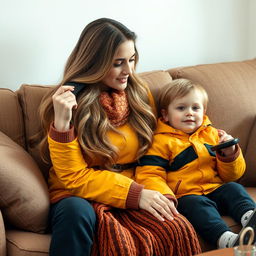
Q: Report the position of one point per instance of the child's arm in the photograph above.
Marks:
(151, 171)
(153, 177)
(223, 138)
(230, 161)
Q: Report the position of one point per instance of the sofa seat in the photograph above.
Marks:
(23, 243)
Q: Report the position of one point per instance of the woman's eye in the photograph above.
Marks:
(132, 60)
(118, 64)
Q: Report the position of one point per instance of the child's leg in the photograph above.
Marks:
(204, 216)
(246, 217)
(237, 203)
(233, 200)
(227, 239)
(251, 222)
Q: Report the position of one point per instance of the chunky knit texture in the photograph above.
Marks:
(137, 232)
(116, 105)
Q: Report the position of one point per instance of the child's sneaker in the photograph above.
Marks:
(250, 223)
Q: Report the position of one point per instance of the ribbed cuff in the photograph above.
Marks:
(172, 198)
(133, 196)
(231, 158)
(63, 137)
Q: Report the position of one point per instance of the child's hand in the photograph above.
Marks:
(224, 137)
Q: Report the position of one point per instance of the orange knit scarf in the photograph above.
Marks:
(116, 105)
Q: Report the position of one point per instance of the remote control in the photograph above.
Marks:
(225, 144)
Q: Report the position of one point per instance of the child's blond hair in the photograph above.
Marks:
(179, 88)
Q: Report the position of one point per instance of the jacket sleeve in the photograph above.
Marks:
(151, 171)
(154, 178)
(101, 186)
(231, 168)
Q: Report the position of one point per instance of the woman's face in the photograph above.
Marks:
(122, 66)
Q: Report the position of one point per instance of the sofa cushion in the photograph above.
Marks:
(30, 97)
(21, 243)
(2, 236)
(11, 119)
(250, 157)
(155, 80)
(24, 197)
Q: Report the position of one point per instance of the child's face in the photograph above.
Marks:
(186, 113)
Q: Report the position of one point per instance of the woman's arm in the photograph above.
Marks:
(101, 186)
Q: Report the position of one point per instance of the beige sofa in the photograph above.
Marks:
(24, 199)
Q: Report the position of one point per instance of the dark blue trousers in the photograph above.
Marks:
(204, 211)
(72, 223)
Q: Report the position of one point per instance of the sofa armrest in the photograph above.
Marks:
(2, 236)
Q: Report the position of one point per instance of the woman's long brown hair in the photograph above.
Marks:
(88, 63)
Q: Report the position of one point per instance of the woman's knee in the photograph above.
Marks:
(73, 211)
(73, 226)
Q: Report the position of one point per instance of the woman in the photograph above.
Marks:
(95, 131)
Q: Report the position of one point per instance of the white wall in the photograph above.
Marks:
(252, 29)
(37, 36)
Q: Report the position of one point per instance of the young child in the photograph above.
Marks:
(181, 165)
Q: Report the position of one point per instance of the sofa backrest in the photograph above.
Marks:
(232, 90)
(11, 118)
(30, 97)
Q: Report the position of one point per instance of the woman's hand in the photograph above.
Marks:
(63, 103)
(224, 137)
(157, 204)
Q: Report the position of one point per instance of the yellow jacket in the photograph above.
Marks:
(180, 164)
(72, 175)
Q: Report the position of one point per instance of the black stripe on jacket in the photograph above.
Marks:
(154, 161)
(183, 158)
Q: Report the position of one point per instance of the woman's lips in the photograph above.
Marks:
(122, 80)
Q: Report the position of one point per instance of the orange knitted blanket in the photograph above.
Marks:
(138, 233)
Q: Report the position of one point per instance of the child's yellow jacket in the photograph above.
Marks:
(181, 164)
